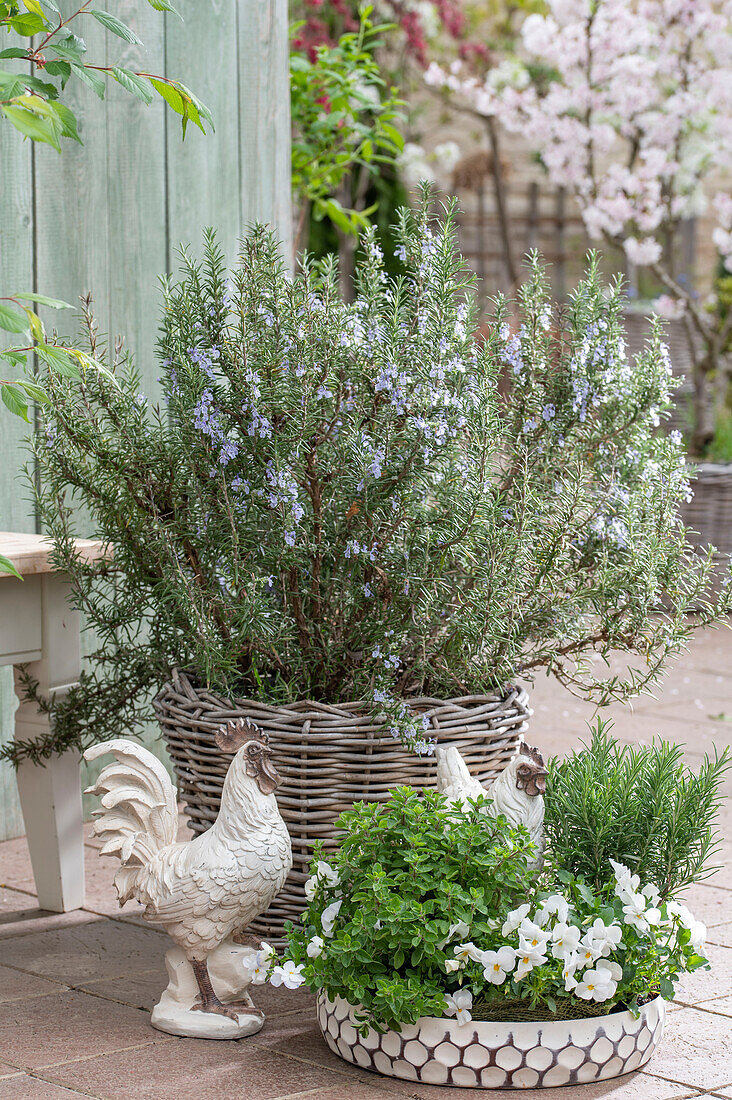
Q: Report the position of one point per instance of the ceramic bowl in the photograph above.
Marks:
(490, 1055)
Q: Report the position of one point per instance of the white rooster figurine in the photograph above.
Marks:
(204, 890)
(517, 792)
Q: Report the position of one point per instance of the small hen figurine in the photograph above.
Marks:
(517, 792)
(204, 890)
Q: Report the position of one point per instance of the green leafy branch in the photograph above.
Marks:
(20, 319)
(31, 102)
(343, 118)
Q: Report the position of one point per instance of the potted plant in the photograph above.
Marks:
(438, 957)
(335, 525)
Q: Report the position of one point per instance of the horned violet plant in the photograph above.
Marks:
(335, 500)
(428, 910)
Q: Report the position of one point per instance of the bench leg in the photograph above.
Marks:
(50, 794)
(50, 798)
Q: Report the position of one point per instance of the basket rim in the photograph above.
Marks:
(349, 710)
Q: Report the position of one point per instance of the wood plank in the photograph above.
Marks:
(16, 273)
(204, 169)
(72, 211)
(264, 113)
(135, 192)
(30, 553)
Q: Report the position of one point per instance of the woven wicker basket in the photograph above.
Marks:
(329, 757)
(709, 512)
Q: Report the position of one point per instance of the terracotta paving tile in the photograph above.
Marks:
(16, 983)
(726, 1092)
(299, 1037)
(88, 952)
(141, 989)
(15, 865)
(100, 895)
(43, 1031)
(635, 1086)
(722, 1006)
(711, 904)
(278, 1000)
(196, 1069)
(703, 985)
(26, 922)
(15, 901)
(696, 1050)
(352, 1090)
(32, 1088)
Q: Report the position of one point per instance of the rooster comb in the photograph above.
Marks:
(231, 737)
(533, 754)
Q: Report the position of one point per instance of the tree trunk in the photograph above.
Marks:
(704, 404)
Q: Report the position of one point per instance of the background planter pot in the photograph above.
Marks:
(490, 1055)
(709, 512)
(329, 757)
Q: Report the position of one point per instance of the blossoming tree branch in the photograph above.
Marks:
(629, 106)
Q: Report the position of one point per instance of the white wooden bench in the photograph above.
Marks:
(39, 629)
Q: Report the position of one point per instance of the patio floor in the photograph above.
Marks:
(76, 989)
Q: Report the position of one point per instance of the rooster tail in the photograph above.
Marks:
(139, 813)
(452, 771)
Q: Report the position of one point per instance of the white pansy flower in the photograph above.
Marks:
(696, 927)
(626, 882)
(637, 914)
(258, 963)
(533, 934)
(650, 891)
(528, 956)
(256, 969)
(465, 951)
(604, 937)
(497, 964)
(328, 917)
(596, 985)
(554, 906)
(587, 953)
(451, 965)
(315, 947)
(514, 918)
(289, 975)
(616, 970)
(459, 1004)
(325, 875)
(568, 973)
(460, 928)
(311, 885)
(565, 940)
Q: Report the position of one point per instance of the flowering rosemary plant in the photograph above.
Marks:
(335, 501)
(416, 915)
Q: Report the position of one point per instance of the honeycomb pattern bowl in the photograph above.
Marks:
(489, 1055)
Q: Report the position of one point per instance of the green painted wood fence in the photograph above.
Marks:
(108, 217)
